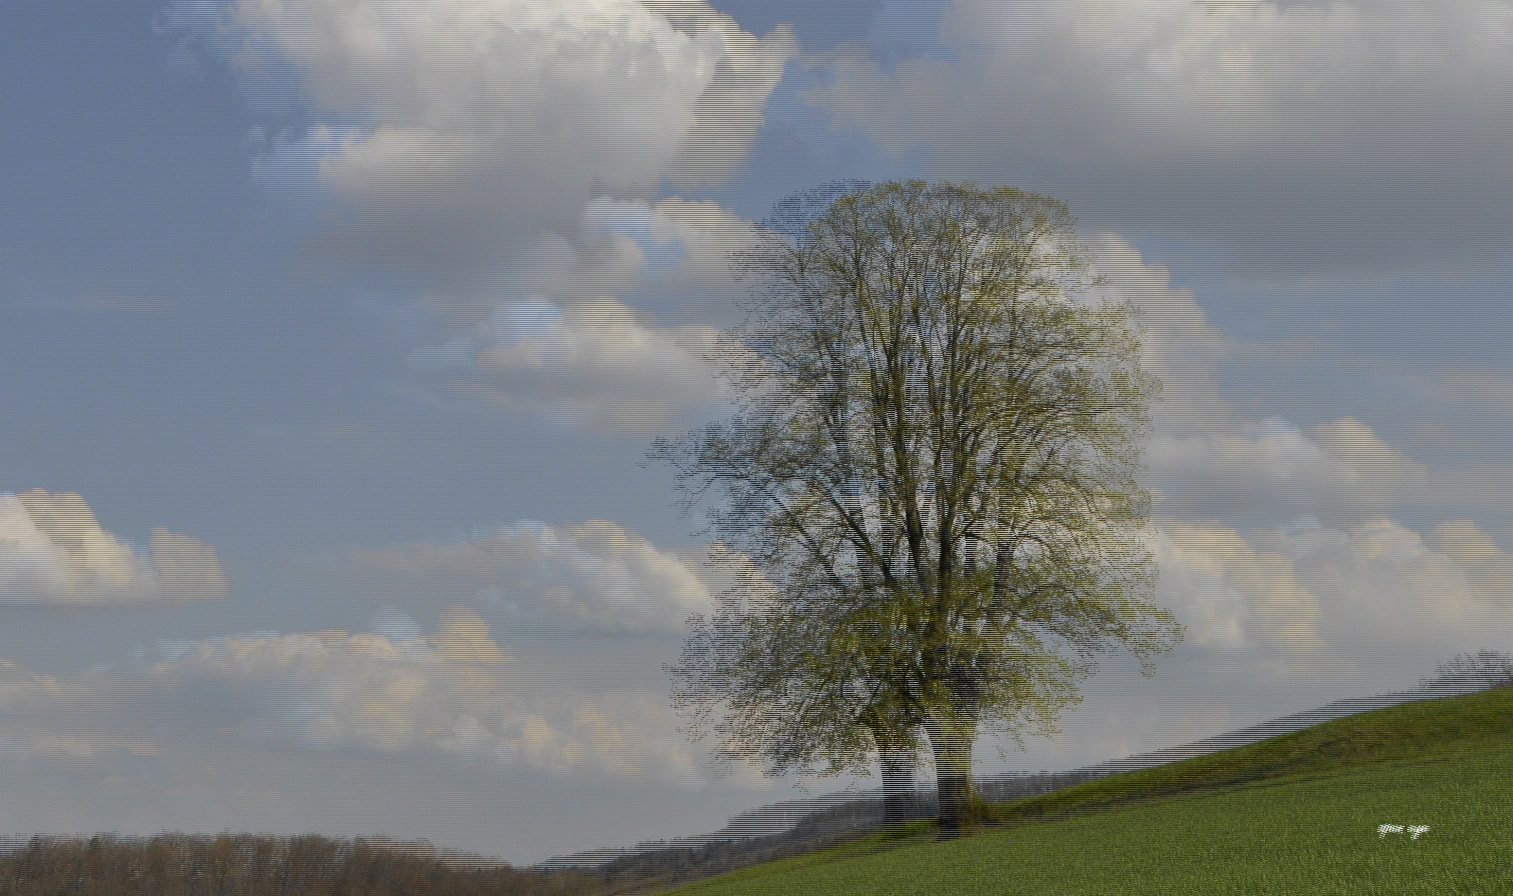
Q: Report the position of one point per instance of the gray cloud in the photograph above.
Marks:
(448, 695)
(1319, 594)
(596, 577)
(1182, 346)
(672, 256)
(1273, 468)
(1207, 460)
(562, 345)
(592, 363)
(1294, 139)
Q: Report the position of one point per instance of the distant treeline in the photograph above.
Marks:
(861, 817)
(821, 828)
(249, 865)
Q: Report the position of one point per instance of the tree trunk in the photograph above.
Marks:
(899, 796)
(952, 745)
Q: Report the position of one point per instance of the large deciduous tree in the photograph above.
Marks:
(929, 484)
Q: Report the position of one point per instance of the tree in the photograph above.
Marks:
(1485, 667)
(929, 481)
(792, 687)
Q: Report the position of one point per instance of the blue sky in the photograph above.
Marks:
(335, 332)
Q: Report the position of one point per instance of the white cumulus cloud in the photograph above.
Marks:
(672, 253)
(1273, 467)
(457, 127)
(53, 552)
(1379, 583)
(1372, 597)
(1182, 346)
(594, 577)
(1230, 596)
(451, 694)
(588, 363)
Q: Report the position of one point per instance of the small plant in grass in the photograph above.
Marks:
(967, 814)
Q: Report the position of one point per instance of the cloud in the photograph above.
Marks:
(396, 691)
(451, 130)
(454, 694)
(1182, 347)
(590, 363)
(1310, 596)
(1379, 583)
(1208, 462)
(1231, 597)
(673, 255)
(1463, 540)
(591, 578)
(729, 114)
(51, 717)
(1476, 391)
(1292, 136)
(561, 345)
(54, 553)
(1271, 467)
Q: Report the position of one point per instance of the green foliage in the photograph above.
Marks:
(930, 482)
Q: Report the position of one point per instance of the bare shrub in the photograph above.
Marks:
(1485, 667)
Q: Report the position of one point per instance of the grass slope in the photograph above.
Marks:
(1295, 814)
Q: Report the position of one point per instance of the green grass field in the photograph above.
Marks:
(1295, 815)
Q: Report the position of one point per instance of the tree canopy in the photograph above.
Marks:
(929, 480)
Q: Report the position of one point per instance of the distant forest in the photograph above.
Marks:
(177, 864)
(248, 865)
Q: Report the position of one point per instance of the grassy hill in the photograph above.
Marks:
(1294, 814)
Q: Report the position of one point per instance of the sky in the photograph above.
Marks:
(335, 333)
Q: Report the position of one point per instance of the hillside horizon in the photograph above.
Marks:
(775, 819)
